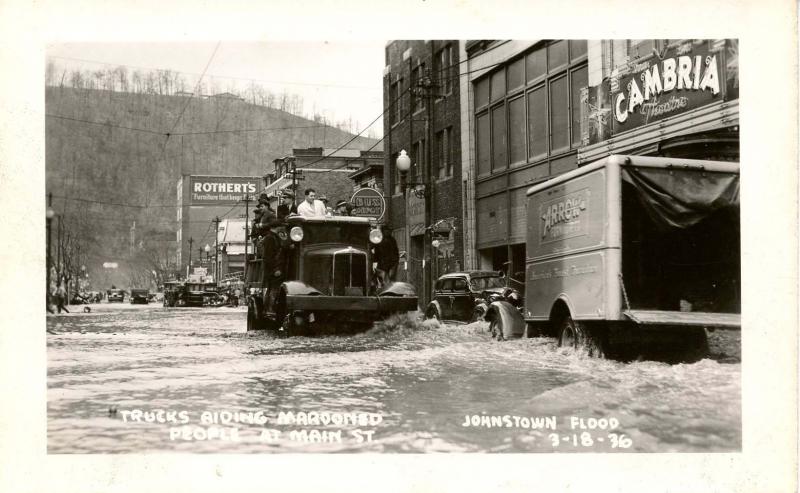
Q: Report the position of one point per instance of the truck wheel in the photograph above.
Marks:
(578, 336)
(496, 328)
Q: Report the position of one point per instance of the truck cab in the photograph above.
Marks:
(329, 283)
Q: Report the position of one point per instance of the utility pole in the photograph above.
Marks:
(246, 231)
(189, 267)
(425, 88)
(216, 249)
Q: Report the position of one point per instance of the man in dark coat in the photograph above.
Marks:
(387, 255)
(273, 263)
(287, 206)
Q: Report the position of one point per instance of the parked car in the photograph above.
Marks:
(457, 295)
(139, 296)
(115, 295)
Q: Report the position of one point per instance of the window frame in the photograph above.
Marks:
(566, 70)
(445, 61)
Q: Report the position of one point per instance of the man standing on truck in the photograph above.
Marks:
(287, 206)
(311, 207)
(273, 263)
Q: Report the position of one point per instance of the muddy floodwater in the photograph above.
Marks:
(134, 379)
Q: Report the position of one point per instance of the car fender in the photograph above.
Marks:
(434, 304)
(398, 289)
(480, 309)
(511, 319)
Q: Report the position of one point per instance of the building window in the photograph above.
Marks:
(446, 72)
(499, 158)
(394, 102)
(418, 161)
(416, 78)
(444, 153)
(482, 143)
(559, 114)
(516, 130)
(536, 106)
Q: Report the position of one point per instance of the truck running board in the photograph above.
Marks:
(731, 321)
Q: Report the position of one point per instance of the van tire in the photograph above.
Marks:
(579, 336)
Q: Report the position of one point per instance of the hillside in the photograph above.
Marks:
(113, 158)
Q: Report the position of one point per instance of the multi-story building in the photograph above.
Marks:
(521, 104)
(328, 171)
(533, 110)
(422, 117)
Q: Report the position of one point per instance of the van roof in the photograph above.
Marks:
(641, 161)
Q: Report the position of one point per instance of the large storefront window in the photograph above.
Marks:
(529, 109)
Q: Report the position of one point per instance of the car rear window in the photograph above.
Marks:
(459, 284)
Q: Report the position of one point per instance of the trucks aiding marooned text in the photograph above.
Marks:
(632, 256)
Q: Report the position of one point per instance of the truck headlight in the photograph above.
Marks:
(296, 233)
(376, 236)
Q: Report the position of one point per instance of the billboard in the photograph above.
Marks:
(221, 190)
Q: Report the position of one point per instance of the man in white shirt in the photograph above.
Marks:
(311, 207)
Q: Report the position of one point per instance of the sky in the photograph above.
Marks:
(340, 79)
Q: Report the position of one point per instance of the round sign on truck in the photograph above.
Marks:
(368, 202)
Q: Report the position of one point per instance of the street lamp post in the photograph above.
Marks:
(208, 255)
(421, 190)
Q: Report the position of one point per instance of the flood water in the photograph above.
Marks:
(133, 379)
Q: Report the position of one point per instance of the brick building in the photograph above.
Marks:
(422, 116)
(328, 171)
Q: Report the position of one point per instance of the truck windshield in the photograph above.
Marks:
(481, 283)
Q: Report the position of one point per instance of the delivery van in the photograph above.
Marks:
(631, 254)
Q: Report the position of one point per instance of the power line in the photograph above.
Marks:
(199, 81)
(362, 131)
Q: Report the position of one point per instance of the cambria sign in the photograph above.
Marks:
(687, 79)
(683, 77)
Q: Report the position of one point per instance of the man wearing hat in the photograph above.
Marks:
(262, 215)
(287, 206)
(343, 208)
(273, 262)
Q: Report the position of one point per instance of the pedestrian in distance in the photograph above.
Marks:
(311, 207)
(61, 298)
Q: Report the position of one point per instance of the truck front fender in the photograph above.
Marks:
(507, 317)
